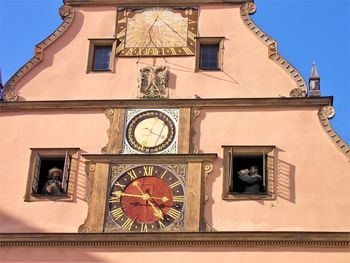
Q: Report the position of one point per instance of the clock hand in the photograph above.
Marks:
(145, 197)
(157, 211)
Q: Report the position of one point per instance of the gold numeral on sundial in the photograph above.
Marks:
(187, 51)
(173, 185)
(117, 213)
(173, 213)
(191, 35)
(128, 224)
(147, 170)
(132, 174)
(144, 227)
(178, 198)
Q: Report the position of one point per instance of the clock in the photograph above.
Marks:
(146, 198)
(156, 31)
(151, 131)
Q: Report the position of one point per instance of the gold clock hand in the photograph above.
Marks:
(144, 196)
(157, 211)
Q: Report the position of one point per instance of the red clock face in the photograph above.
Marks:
(146, 198)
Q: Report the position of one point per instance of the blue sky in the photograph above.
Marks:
(306, 31)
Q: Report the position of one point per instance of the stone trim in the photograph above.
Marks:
(248, 9)
(166, 103)
(67, 14)
(151, 2)
(325, 113)
(180, 239)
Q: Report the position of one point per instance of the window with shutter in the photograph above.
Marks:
(248, 172)
(65, 176)
(36, 173)
(51, 171)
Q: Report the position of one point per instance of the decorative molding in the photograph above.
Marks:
(152, 2)
(115, 131)
(67, 13)
(195, 112)
(328, 112)
(331, 240)
(153, 82)
(166, 103)
(249, 8)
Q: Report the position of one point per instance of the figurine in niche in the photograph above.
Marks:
(53, 184)
(251, 178)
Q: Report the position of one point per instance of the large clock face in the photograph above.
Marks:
(146, 198)
(150, 132)
(156, 31)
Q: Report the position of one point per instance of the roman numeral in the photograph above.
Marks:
(117, 213)
(173, 51)
(114, 199)
(132, 174)
(144, 228)
(161, 225)
(187, 51)
(128, 224)
(161, 177)
(123, 20)
(147, 170)
(120, 185)
(120, 46)
(178, 198)
(191, 35)
(130, 51)
(173, 185)
(121, 33)
(173, 213)
(190, 21)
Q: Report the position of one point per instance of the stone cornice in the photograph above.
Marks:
(180, 239)
(67, 14)
(152, 2)
(166, 103)
(325, 113)
(248, 9)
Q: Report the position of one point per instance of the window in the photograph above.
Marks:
(101, 55)
(209, 53)
(52, 174)
(248, 172)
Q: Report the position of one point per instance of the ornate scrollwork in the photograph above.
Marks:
(65, 10)
(153, 82)
(327, 111)
(9, 92)
(298, 93)
(208, 168)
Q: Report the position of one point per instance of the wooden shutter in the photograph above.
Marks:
(36, 173)
(264, 171)
(230, 170)
(65, 176)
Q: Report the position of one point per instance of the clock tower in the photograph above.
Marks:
(142, 127)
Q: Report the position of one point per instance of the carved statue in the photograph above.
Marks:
(153, 82)
(252, 178)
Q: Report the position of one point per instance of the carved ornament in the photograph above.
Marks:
(153, 82)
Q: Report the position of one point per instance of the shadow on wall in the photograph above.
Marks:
(285, 179)
(82, 184)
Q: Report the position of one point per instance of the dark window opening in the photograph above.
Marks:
(209, 57)
(102, 55)
(50, 177)
(248, 175)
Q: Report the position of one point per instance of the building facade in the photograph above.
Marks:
(143, 129)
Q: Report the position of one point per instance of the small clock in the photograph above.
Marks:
(150, 131)
(156, 31)
(146, 198)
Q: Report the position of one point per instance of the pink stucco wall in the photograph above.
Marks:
(247, 70)
(312, 179)
(167, 254)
